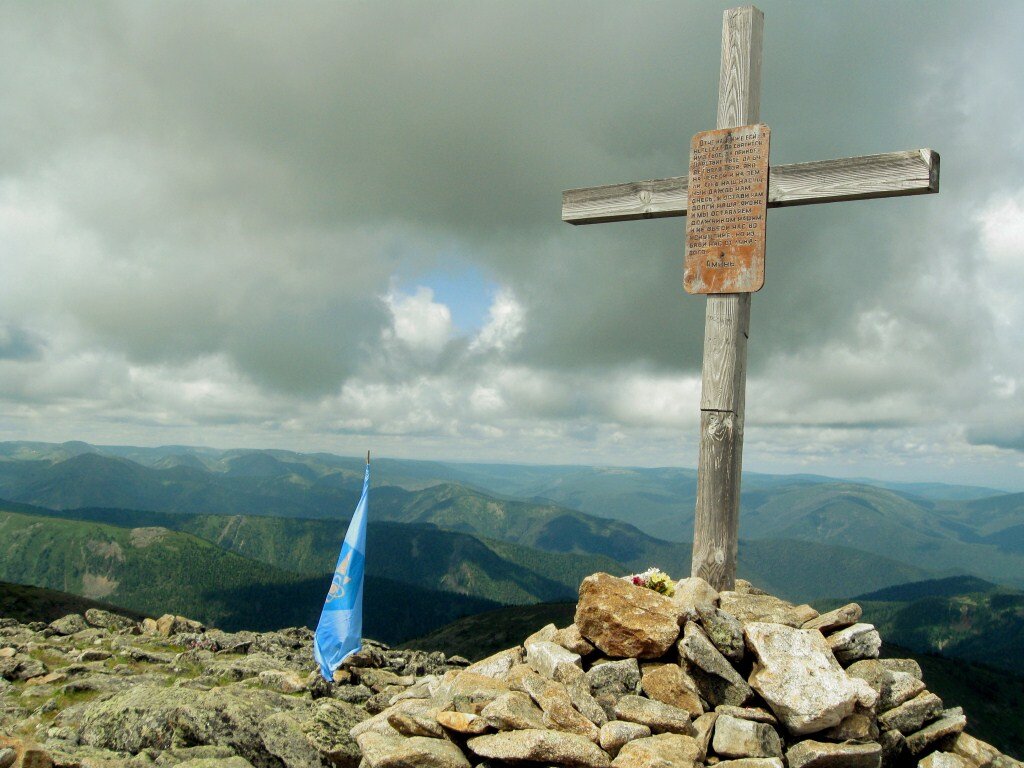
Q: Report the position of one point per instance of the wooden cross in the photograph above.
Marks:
(727, 317)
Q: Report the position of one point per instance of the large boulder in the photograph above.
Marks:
(625, 620)
(800, 679)
(138, 718)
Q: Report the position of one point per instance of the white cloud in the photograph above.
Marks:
(505, 324)
(422, 325)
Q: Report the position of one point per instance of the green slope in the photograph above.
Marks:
(156, 570)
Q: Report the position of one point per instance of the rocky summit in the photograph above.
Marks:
(739, 679)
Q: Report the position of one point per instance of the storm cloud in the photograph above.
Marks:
(224, 223)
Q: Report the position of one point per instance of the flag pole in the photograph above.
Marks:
(367, 457)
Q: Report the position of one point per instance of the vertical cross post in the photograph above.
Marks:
(726, 329)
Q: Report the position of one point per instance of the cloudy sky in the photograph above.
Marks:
(336, 225)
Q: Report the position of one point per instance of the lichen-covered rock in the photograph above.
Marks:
(624, 620)
(800, 679)
(717, 680)
(819, 754)
(668, 684)
(497, 664)
(542, 746)
(911, 715)
(513, 711)
(952, 722)
(573, 640)
(765, 608)
(944, 760)
(382, 751)
(138, 718)
(617, 733)
(694, 591)
(861, 641)
(550, 659)
(893, 687)
(69, 625)
(666, 750)
(840, 618)
(745, 738)
(463, 722)
(660, 718)
(107, 620)
(327, 726)
(724, 630)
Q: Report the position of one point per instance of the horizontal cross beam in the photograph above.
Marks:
(894, 174)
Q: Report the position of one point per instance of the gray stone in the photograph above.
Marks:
(545, 634)
(757, 714)
(579, 692)
(819, 754)
(855, 727)
(215, 762)
(894, 747)
(610, 681)
(724, 630)
(944, 760)
(621, 676)
(745, 738)
(625, 620)
(800, 679)
(694, 591)
(69, 625)
(911, 715)
(542, 746)
(283, 738)
(499, 664)
(107, 620)
(861, 641)
(135, 719)
(893, 687)
(762, 608)
(549, 658)
(382, 751)
(512, 712)
(752, 762)
(617, 733)
(415, 723)
(231, 716)
(573, 640)
(666, 750)
(463, 722)
(703, 728)
(840, 618)
(717, 681)
(660, 718)
(283, 681)
(908, 666)
(975, 751)
(352, 694)
(948, 725)
(669, 684)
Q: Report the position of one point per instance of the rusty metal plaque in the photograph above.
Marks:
(726, 210)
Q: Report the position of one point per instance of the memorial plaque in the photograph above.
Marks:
(726, 210)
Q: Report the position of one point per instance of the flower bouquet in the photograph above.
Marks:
(656, 579)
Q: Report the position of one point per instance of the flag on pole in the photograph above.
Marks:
(339, 633)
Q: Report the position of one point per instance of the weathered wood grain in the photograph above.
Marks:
(726, 328)
(715, 543)
(893, 174)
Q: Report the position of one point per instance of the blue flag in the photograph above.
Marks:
(339, 633)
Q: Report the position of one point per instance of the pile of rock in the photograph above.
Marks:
(104, 691)
(739, 679)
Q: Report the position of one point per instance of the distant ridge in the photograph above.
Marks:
(917, 590)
